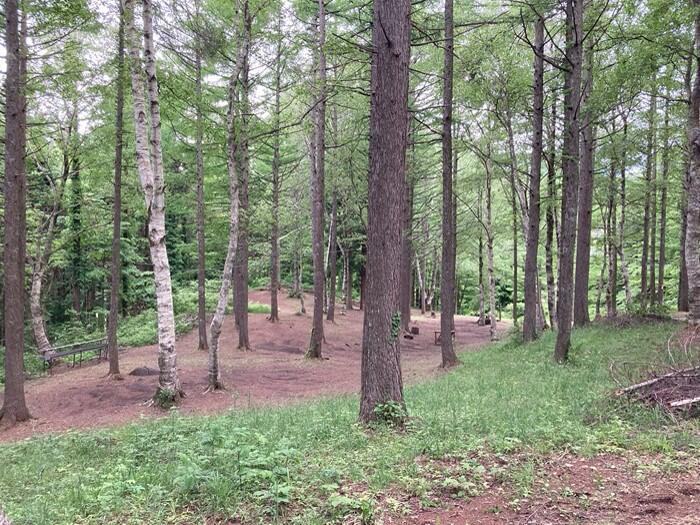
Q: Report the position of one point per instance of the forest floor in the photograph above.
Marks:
(274, 372)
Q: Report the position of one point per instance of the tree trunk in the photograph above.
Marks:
(649, 173)
(149, 160)
(315, 350)
(14, 408)
(550, 215)
(276, 181)
(533, 221)
(240, 275)
(585, 197)
(381, 357)
(447, 283)
(333, 259)
(116, 266)
(665, 167)
(482, 313)
(654, 211)
(406, 256)
(232, 163)
(489, 251)
(611, 233)
(692, 242)
(623, 211)
(348, 278)
(570, 161)
(199, 163)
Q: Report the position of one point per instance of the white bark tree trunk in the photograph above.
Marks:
(149, 160)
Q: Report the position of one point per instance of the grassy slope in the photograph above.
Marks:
(291, 464)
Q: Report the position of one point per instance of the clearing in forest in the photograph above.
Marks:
(274, 373)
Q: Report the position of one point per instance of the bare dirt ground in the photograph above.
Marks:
(275, 372)
(602, 490)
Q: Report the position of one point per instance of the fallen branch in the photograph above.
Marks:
(685, 402)
(649, 382)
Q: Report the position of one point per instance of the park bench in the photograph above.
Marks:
(438, 337)
(98, 346)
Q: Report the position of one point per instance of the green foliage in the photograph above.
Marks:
(390, 413)
(165, 398)
(312, 464)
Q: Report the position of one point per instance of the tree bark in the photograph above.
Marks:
(570, 161)
(585, 197)
(233, 164)
(14, 408)
(645, 294)
(348, 278)
(315, 350)
(333, 259)
(550, 215)
(692, 242)
(116, 266)
(240, 275)
(276, 181)
(489, 249)
(611, 228)
(199, 166)
(447, 283)
(149, 159)
(381, 357)
(623, 215)
(533, 221)
(665, 168)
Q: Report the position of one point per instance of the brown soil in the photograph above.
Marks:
(274, 373)
(603, 490)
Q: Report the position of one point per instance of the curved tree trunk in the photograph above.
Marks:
(381, 356)
(214, 373)
(149, 159)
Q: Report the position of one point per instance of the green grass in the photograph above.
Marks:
(290, 464)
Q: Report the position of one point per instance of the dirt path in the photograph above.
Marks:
(275, 372)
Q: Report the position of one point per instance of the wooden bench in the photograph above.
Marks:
(98, 346)
(438, 336)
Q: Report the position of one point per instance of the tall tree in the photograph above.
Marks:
(116, 266)
(447, 283)
(315, 350)
(199, 168)
(585, 195)
(381, 356)
(14, 408)
(570, 162)
(665, 168)
(240, 272)
(692, 241)
(649, 202)
(149, 160)
(276, 178)
(533, 222)
(233, 164)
